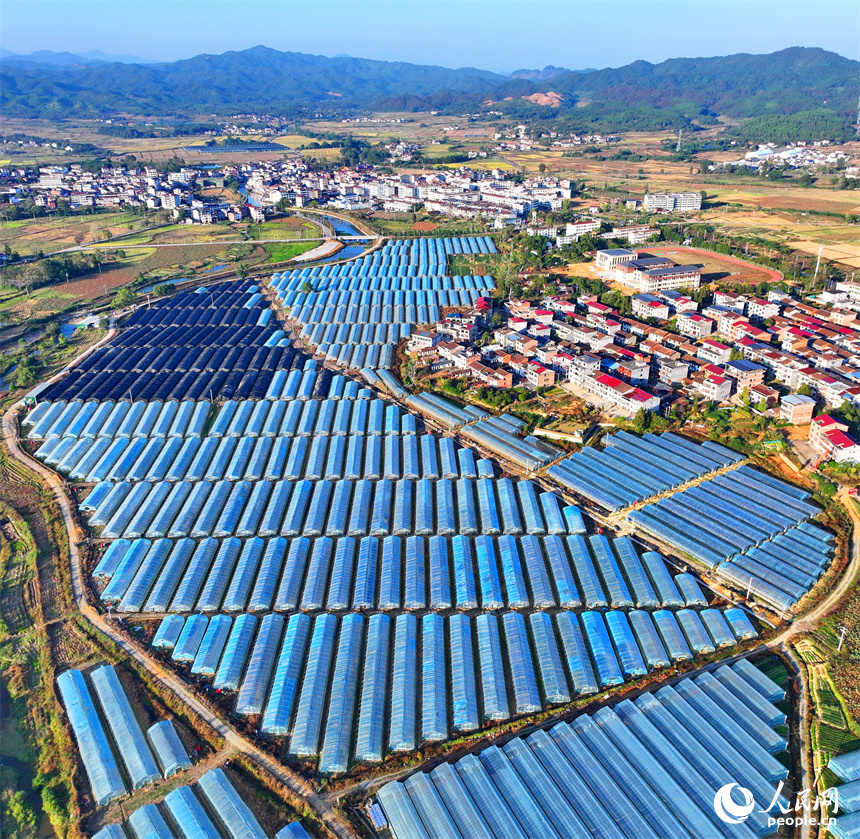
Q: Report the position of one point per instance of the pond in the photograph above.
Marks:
(4, 379)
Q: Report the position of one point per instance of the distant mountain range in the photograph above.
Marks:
(548, 72)
(73, 58)
(676, 93)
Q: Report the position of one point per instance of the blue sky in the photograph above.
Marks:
(499, 35)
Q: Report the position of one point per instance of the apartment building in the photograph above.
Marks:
(694, 325)
(608, 260)
(796, 409)
(829, 437)
(672, 202)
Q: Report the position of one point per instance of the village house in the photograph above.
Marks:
(647, 306)
(796, 409)
(694, 325)
(713, 351)
(828, 436)
(628, 398)
(712, 386)
(745, 373)
(538, 375)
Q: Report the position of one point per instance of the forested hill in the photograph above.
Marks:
(254, 79)
(795, 79)
(675, 93)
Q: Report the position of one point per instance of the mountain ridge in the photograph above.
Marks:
(674, 93)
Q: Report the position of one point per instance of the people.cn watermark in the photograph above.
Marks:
(805, 809)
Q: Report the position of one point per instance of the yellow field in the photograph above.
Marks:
(846, 254)
(791, 198)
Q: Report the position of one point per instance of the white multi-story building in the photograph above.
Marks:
(673, 202)
(608, 260)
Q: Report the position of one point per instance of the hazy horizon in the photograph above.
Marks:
(486, 34)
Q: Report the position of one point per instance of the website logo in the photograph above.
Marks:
(726, 808)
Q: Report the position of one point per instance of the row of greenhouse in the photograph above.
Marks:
(258, 315)
(751, 529)
(177, 351)
(631, 468)
(197, 359)
(783, 569)
(328, 331)
(392, 684)
(391, 259)
(384, 304)
(255, 458)
(308, 311)
(233, 294)
(159, 386)
(211, 809)
(729, 514)
(109, 420)
(200, 317)
(270, 418)
(355, 313)
(358, 356)
(190, 336)
(185, 419)
(116, 753)
(648, 768)
(344, 507)
(388, 573)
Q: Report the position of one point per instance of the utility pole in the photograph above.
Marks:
(858, 117)
(842, 632)
(678, 147)
(817, 263)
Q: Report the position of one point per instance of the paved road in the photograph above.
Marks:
(111, 244)
(231, 737)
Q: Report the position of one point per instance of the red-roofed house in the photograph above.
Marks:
(626, 397)
(694, 325)
(744, 329)
(714, 351)
(595, 308)
(828, 436)
(538, 375)
(712, 386)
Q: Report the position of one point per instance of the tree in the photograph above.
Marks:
(736, 355)
(641, 421)
(242, 270)
(25, 372)
(306, 287)
(21, 812)
(104, 322)
(805, 390)
(124, 297)
(163, 289)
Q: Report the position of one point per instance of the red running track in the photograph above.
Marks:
(772, 276)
